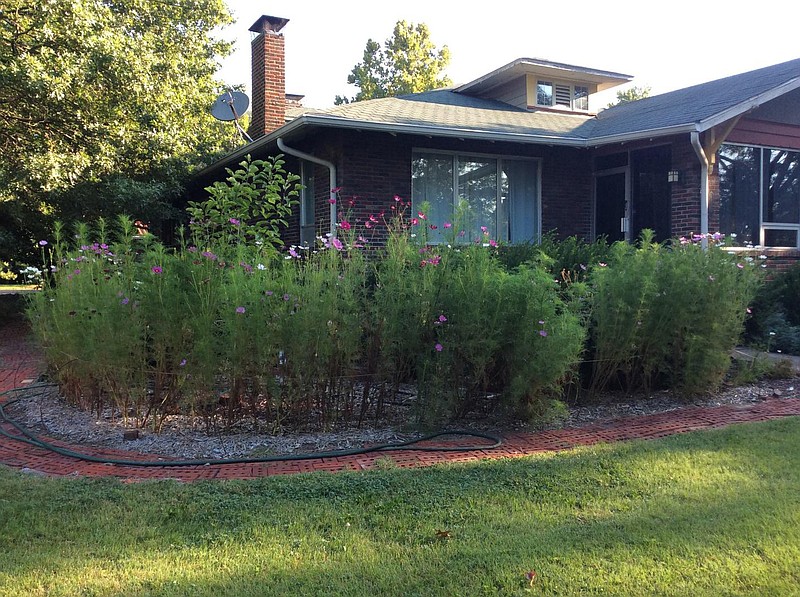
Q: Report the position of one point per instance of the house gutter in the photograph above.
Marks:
(332, 173)
(701, 155)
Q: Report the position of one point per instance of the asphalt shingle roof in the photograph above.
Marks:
(447, 109)
(444, 108)
(693, 104)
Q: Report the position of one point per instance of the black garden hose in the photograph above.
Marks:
(29, 437)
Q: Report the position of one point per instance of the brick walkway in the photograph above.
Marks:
(20, 364)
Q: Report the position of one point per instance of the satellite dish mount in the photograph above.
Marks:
(229, 107)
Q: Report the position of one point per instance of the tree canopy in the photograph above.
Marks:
(630, 95)
(408, 62)
(107, 96)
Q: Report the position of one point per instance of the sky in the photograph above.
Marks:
(664, 45)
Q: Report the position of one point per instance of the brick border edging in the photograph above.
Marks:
(20, 361)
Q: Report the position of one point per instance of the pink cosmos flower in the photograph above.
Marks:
(345, 225)
(337, 244)
(156, 269)
(240, 310)
(492, 243)
(414, 222)
(447, 225)
(421, 215)
(332, 201)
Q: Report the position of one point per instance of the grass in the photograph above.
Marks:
(707, 513)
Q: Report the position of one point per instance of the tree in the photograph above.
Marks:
(102, 96)
(630, 95)
(408, 62)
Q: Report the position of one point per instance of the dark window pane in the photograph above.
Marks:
(432, 183)
(739, 169)
(782, 197)
(581, 98)
(544, 93)
(477, 194)
(780, 238)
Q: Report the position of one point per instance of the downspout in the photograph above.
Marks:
(331, 169)
(701, 155)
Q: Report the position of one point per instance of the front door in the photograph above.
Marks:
(611, 204)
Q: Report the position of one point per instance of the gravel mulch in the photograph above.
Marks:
(44, 412)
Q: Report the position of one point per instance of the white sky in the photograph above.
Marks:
(665, 45)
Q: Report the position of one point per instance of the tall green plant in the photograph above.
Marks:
(668, 315)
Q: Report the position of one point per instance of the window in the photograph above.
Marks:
(544, 93)
(475, 192)
(760, 195)
(580, 97)
(562, 95)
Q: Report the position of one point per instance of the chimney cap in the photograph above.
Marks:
(266, 23)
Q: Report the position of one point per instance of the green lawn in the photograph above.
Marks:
(707, 513)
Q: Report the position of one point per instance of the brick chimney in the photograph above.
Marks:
(269, 76)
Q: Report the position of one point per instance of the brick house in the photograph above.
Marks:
(522, 149)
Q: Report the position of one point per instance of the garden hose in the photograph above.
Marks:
(29, 437)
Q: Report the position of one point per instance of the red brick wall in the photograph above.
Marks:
(567, 192)
(686, 192)
(268, 84)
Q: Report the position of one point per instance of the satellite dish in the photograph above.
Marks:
(229, 107)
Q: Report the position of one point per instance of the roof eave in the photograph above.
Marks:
(747, 106)
(390, 128)
(439, 131)
(643, 134)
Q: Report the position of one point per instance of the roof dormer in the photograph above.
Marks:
(531, 84)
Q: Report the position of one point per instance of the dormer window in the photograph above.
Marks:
(562, 95)
(544, 93)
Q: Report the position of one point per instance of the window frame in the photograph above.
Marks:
(763, 224)
(499, 158)
(553, 83)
